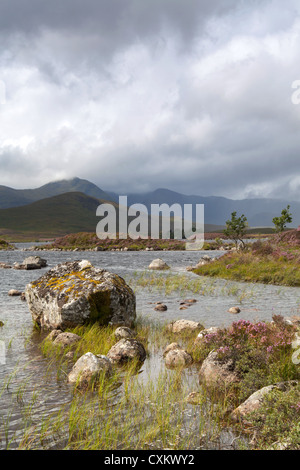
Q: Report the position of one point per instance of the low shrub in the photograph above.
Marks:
(260, 352)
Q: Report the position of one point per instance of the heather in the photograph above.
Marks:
(260, 353)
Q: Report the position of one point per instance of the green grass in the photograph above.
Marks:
(251, 268)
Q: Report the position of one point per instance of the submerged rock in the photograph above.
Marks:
(74, 293)
(88, 368)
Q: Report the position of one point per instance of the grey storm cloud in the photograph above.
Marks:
(193, 96)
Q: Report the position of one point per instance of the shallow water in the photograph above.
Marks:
(22, 363)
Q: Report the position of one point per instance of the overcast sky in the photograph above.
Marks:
(135, 95)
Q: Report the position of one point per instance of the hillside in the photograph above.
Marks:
(51, 217)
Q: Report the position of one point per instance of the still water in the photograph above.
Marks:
(22, 366)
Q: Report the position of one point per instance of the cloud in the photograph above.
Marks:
(192, 96)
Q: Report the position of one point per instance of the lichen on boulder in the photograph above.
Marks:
(75, 293)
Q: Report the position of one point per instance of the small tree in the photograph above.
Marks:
(236, 228)
(280, 222)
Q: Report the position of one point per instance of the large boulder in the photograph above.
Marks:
(75, 293)
(88, 368)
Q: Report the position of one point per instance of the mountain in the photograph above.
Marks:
(217, 210)
(10, 197)
(54, 216)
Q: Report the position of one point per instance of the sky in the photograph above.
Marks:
(134, 95)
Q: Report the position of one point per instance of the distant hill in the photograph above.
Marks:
(54, 216)
(10, 197)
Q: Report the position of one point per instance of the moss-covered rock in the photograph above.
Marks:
(75, 293)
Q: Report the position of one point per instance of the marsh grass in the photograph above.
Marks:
(132, 409)
(182, 284)
(152, 416)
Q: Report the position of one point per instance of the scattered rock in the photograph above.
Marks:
(190, 301)
(126, 350)
(234, 310)
(194, 398)
(178, 358)
(158, 264)
(14, 293)
(255, 401)
(66, 339)
(53, 334)
(206, 331)
(190, 268)
(215, 373)
(160, 307)
(171, 347)
(124, 332)
(74, 293)
(5, 266)
(34, 262)
(183, 325)
(69, 355)
(88, 368)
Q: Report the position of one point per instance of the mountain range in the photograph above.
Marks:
(70, 205)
